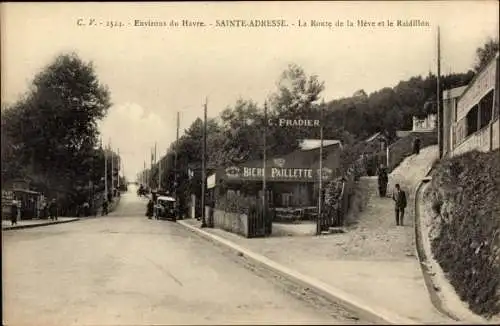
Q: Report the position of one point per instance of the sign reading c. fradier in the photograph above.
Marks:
(281, 122)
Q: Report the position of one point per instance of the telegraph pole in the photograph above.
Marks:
(264, 158)
(159, 174)
(112, 169)
(119, 163)
(154, 162)
(204, 167)
(439, 109)
(175, 163)
(106, 173)
(320, 184)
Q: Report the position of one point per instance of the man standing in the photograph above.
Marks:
(14, 208)
(416, 146)
(383, 179)
(53, 210)
(399, 197)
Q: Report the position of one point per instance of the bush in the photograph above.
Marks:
(464, 192)
(403, 147)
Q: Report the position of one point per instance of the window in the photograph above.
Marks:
(286, 199)
(472, 120)
(486, 108)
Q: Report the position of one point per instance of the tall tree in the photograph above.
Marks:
(55, 125)
(296, 98)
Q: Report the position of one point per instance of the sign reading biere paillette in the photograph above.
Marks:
(275, 173)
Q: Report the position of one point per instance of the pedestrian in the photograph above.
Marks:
(86, 209)
(416, 146)
(150, 209)
(104, 207)
(383, 179)
(53, 209)
(399, 197)
(13, 212)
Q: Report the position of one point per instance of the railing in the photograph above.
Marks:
(484, 140)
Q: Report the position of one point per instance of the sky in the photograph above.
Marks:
(154, 72)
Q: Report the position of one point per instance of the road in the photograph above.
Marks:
(126, 269)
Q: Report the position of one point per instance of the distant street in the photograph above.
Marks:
(126, 269)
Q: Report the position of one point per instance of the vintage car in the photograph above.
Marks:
(165, 208)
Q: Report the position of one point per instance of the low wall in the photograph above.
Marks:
(231, 222)
(483, 140)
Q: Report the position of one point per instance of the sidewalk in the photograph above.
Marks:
(396, 286)
(24, 224)
(374, 263)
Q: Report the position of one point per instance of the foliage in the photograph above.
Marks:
(403, 148)
(485, 53)
(51, 133)
(464, 193)
(236, 135)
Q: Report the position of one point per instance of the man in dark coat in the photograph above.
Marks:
(13, 212)
(150, 208)
(105, 208)
(53, 210)
(399, 197)
(383, 179)
(416, 146)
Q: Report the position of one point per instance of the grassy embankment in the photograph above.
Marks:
(465, 196)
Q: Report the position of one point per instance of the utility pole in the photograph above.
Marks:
(112, 169)
(150, 181)
(119, 161)
(159, 173)
(264, 158)
(154, 162)
(106, 173)
(320, 183)
(204, 167)
(439, 109)
(175, 163)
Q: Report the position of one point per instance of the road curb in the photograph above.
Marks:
(29, 226)
(422, 257)
(431, 285)
(349, 302)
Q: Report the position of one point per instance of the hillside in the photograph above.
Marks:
(465, 237)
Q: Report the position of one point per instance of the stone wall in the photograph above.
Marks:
(231, 222)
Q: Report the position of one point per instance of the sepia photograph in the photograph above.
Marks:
(250, 162)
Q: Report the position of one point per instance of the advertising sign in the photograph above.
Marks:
(275, 174)
(301, 123)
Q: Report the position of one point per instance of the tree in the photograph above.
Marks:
(242, 131)
(54, 127)
(485, 53)
(296, 98)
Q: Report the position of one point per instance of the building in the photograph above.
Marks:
(470, 113)
(291, 180)
(429, 123)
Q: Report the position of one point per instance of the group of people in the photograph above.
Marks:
(47, 210)
(398, 196)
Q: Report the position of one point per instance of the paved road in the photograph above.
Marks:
(126, 269)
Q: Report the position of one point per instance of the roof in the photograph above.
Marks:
(308, 144)
(26, 191)
(373, 137)
(453, 92)
(479, 73)
(166, 198)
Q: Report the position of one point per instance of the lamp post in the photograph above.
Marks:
(204, 167)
